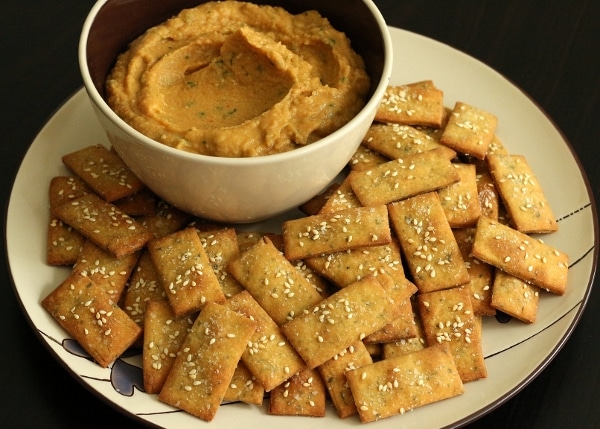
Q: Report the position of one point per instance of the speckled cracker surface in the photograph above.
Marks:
(104, 224)
(397, 385)
(304, 394)
(522, 256)
(91, 318)
(104, 172)
(338, 321)
(460, 200)
(403, 178)
(515, 297)
(469, 130)
(418, 103)
(332, 232)
(185, 271)
(522, 194)
(273, 281)
(202, 372)
(427, 242)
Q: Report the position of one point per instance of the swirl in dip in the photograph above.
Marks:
(235, 79)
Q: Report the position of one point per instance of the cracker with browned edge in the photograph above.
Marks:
(106, 271)
(404, 178)
(469, 130)
(515, 297)
(222, 247)
(397, 141)
(522, 194)
(304, 394)
(91, 318)
(365, 158)
(406, 345)
(185, 271)
(522, 256)
(244, 387)
(350, 314)
(418, 103)
(142, 203)
(460, 200)
(269, 356)
(104, 224)
(144, 285)
(164, 333)
(427, 242)
(333, 373)
(202, 372)
(397, 385)
(341, 198)
(333, 232)
(166, 220)
(273, 281)
(104, 172)
(481, 274)
(447, 316)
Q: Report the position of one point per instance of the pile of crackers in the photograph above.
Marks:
(373, 299)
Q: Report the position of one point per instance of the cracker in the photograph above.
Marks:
(419, 103)
(185, 271)
(304, 394)
(104, 269)
(460, 200)
(221, 247)
(166, 220)
(397, 385)
(428, 244)
(104, 224)
(269, 356)
(202, 372)
(481, 274)
(397, 141)
(522, 256)
(144, 285)
(403, 178)
(469, 130)
(321, 284)
(163, 336)
(104, 172)
(142, 203)
(333, 373)
(273, 281)
(400, 328)
(314, 205)
(91, 318)
(447, 316)
(489, 200)
(63, 243)
(333, 232)
(521, 193)
(348, 315)
(244, 387)
(365, 158)
(515, 297)
(341, 198)
(406, 345)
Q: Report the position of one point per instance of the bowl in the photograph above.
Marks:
(223, 189)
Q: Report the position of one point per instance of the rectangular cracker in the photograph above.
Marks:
(427, 242)
(522, 194)
(341, 198)
(400, 328)
(273, 281)
(469, 130)
(244, 387)
(447, 316)
(403, 178)
(185, 271)
(103, 171)
(489, 200)
(398, 141)
(515, 297)
(418, 103)
(333, 373)
(91, 318)
(406, 345)
(460, 200)
(104, 224)
(268, 356)
(522, 256)
(166, 220)
(397, 385)
(334, 232)
(365, 158)
(164, 333)
(222, 247)
(202, 372)
(304, 394)
(348, 315)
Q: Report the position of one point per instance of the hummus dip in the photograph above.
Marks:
(235, 79)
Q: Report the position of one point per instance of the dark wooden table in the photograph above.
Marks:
(550, 49)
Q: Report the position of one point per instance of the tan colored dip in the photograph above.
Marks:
(235, 79)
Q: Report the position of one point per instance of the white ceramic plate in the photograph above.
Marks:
(514, 352)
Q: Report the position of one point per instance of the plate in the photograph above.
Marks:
(514, 352)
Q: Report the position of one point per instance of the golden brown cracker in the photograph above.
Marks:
(469, 130)
(418, 103)
(244, 387)
(304, 394)
(515, 297)
(460, 200)
(365, 158)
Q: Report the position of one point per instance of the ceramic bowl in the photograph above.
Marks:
(231, 190)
